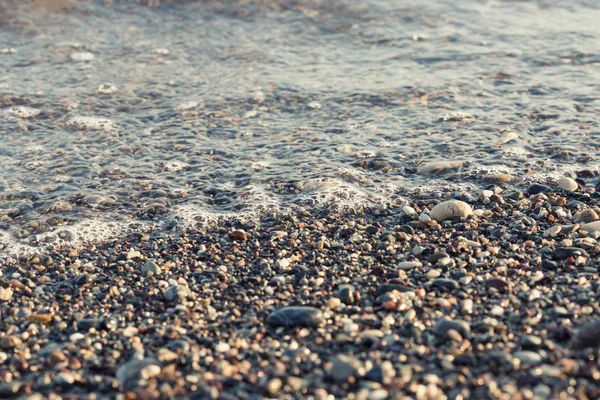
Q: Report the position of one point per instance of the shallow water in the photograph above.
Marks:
(114, 115)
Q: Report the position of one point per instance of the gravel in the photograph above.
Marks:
(377, 303)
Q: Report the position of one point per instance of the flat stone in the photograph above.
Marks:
(388, 287)
(408, 265)
(528, 357)
(565, 252)
(296, 316)
(591, 227)
(450, 209)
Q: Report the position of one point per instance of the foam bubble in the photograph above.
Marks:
(175, 166)
(82, 233)
(162, 52)
(93, 123)
(82, 56)
(24, 112)
(187, 106)
(107, 88)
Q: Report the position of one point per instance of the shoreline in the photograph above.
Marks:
(499, 304)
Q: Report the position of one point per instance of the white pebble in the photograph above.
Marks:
(553, 231)
(450, 209)
(567, 184)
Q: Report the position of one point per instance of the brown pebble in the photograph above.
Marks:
(499, 179)
(238, 236)
(40, 319)
(57, 359)
(9, 342)
(587, 216)
(498, 284)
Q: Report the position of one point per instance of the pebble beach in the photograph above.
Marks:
(299, 199)
(495, 297)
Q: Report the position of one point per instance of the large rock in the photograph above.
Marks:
(450, 209)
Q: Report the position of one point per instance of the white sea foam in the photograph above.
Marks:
(92, 123)
(85, 232)
(24, 112)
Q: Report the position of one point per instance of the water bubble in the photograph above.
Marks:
(162, 52)
(24, 112)
(187, 106)
(82, 56)
(92, 123)
(107, 88)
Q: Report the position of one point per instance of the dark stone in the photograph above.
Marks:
(346, 294)
(588, 336)
(433, 259)
(549, 264)
(296, 316)
(460, 326)
(88, 323)
(382, 373)
(388, 287)
(372, 229)
(499, 284)
(530, 342)
(537, 188)
(562, 253)
(446, 283)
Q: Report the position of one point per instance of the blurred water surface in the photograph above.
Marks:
(123, 116)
